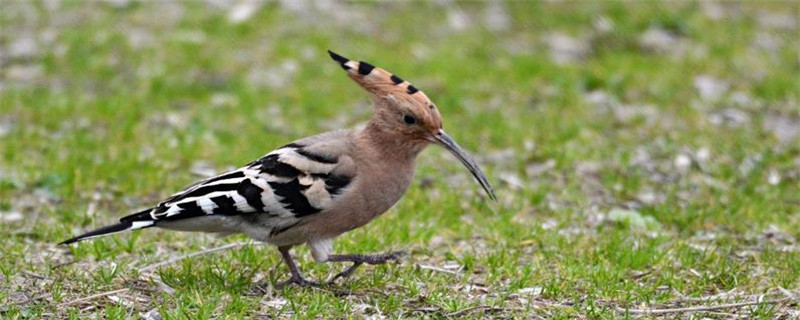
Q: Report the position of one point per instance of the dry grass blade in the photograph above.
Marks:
(472, 309)
(437, 269)
(34, 298)
(193, 254)
(702, 308)
(94, 296)
(543, 303)
(787, 293)
(729, 295)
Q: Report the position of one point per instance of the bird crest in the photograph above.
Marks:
(373, 79)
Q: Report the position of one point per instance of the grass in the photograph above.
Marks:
(115, 106)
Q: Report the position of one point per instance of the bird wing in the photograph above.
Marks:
(296, 180)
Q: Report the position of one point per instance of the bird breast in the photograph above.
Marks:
(374, 191)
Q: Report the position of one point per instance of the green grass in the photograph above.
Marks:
(116, 104)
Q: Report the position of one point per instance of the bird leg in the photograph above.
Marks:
(296, 278)
(359, 259)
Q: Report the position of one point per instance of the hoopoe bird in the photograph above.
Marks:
(314, 189)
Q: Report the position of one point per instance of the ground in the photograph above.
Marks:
(646, 156)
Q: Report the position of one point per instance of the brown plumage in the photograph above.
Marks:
(314, 189)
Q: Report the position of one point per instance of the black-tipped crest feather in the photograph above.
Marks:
(341, 60)
(364, 68)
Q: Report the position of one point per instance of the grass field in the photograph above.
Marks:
(646, 157)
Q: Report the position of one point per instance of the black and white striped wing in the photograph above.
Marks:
(288, 183)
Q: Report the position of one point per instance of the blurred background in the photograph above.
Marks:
(661, 138)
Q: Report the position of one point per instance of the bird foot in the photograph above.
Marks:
(299, 281)
(359, 259)
(367, 258)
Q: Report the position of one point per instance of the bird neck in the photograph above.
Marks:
(391, 144)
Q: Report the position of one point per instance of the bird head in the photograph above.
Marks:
(401, 107)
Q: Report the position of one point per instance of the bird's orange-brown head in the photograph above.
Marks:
(403, 109)
(399, 104)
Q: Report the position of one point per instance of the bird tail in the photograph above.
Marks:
(139, 220)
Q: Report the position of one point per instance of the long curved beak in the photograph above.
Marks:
(446, 141)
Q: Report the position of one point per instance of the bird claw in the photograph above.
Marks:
(346, 273)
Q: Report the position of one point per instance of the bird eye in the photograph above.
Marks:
(409, 119)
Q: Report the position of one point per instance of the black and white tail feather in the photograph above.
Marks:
(139, 220)
(294, 181)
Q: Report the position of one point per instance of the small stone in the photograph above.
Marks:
(775, 20)
(496, 17)
(658, 40)
(244, 10)
(549, 224)
(11, 216)
(275, 77)
(119, 4)
(528, 145)
(784, 127)
(767, 42)
(275, 303)
(23, 47)
(713, 10)
(537, 169)
(24, 73)
(153, 314)
(603, 24)
(749, 163)
(599, 98)
(683, 162)
(531, 290)
(224, 100)
(650, 198)
(5, 127)
(703, 154)
(774, 177)
(729, 117)
(513, 181)
(203, 169)
(458, 19)
(565, 49)
(710, 88)
(139, 38)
